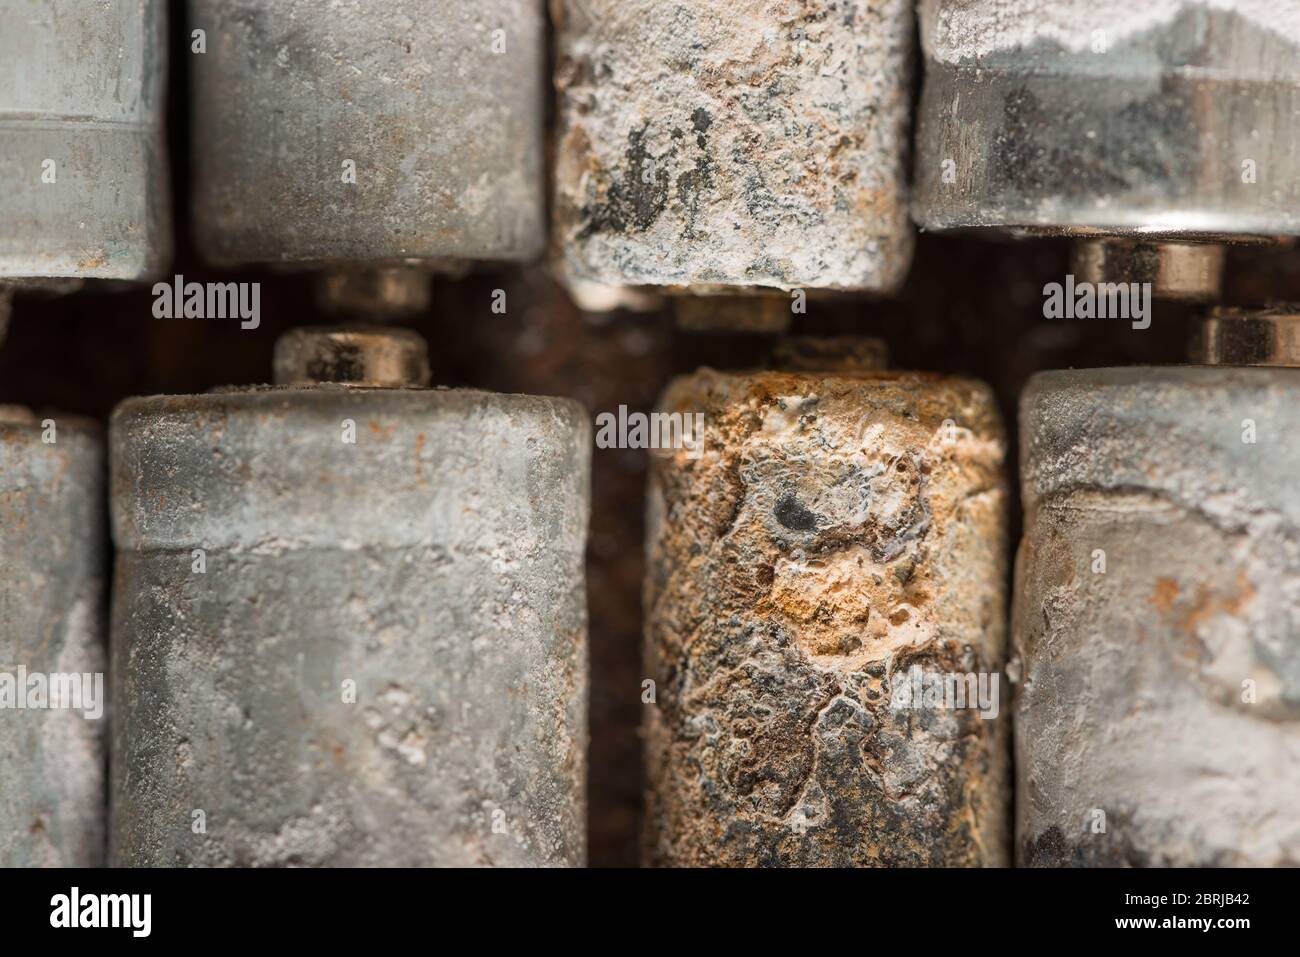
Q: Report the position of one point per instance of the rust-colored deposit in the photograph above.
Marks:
(836, 531)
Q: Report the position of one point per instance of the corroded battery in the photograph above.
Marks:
(81, 150)
(836, 541)
(1156, 612)
(711, 145)
(349, 623)
(336, 131)
(52, 694)
(1173, 128)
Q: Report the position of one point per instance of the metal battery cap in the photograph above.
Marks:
(376, 357)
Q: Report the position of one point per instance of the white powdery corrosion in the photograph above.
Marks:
(744, 143)
(1157, 604)
(957, 30)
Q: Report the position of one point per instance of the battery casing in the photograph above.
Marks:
(1156, 612)
(346, 130)
(712, 144)
(1087, 115)
(81, 146)
(833, 533)
(383, 660)
(52, 563)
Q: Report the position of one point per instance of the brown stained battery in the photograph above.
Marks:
(835, 532)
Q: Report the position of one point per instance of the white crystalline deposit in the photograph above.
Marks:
(956, 30)
(740, 143)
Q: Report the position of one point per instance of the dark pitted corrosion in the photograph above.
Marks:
(835, 532)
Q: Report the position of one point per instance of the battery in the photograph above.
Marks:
(342, 131)
(52, 695)
(1136, 132)
(704, 146)
(1156, 605)
(827, 543)
(349, 620)
(81, 147)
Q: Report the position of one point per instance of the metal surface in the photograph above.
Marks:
(1085, 118)
(436, 564)
(359, 356)
(1079, 114)
(52, 564)
(401, 292)
(835, 532)
(1191, 272)
(1155, 619)
(1250, 337)
(438, 104)
(81, 153)
(751, 143)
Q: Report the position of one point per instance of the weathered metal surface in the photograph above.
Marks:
(1180, 118)
(52, 544)
(836, 531)
(437, 103)
(401, 292)
(81, 152)
(1249, 337)
(373, 356)
(749, 143)
(1188, 272)
(436, 563)
(1158, 589)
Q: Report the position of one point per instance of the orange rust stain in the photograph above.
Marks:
(1209, 605)
(1165, 594)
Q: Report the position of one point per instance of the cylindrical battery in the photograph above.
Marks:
(837, 541)
(349, 623)
(1081, 116)
(81, 150)
(713, 144)
(1156, 612)
(52, 692)
(1152, 139)
(347, 130)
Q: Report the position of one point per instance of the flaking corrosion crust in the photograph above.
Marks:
(835, 532)
(750, 143)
